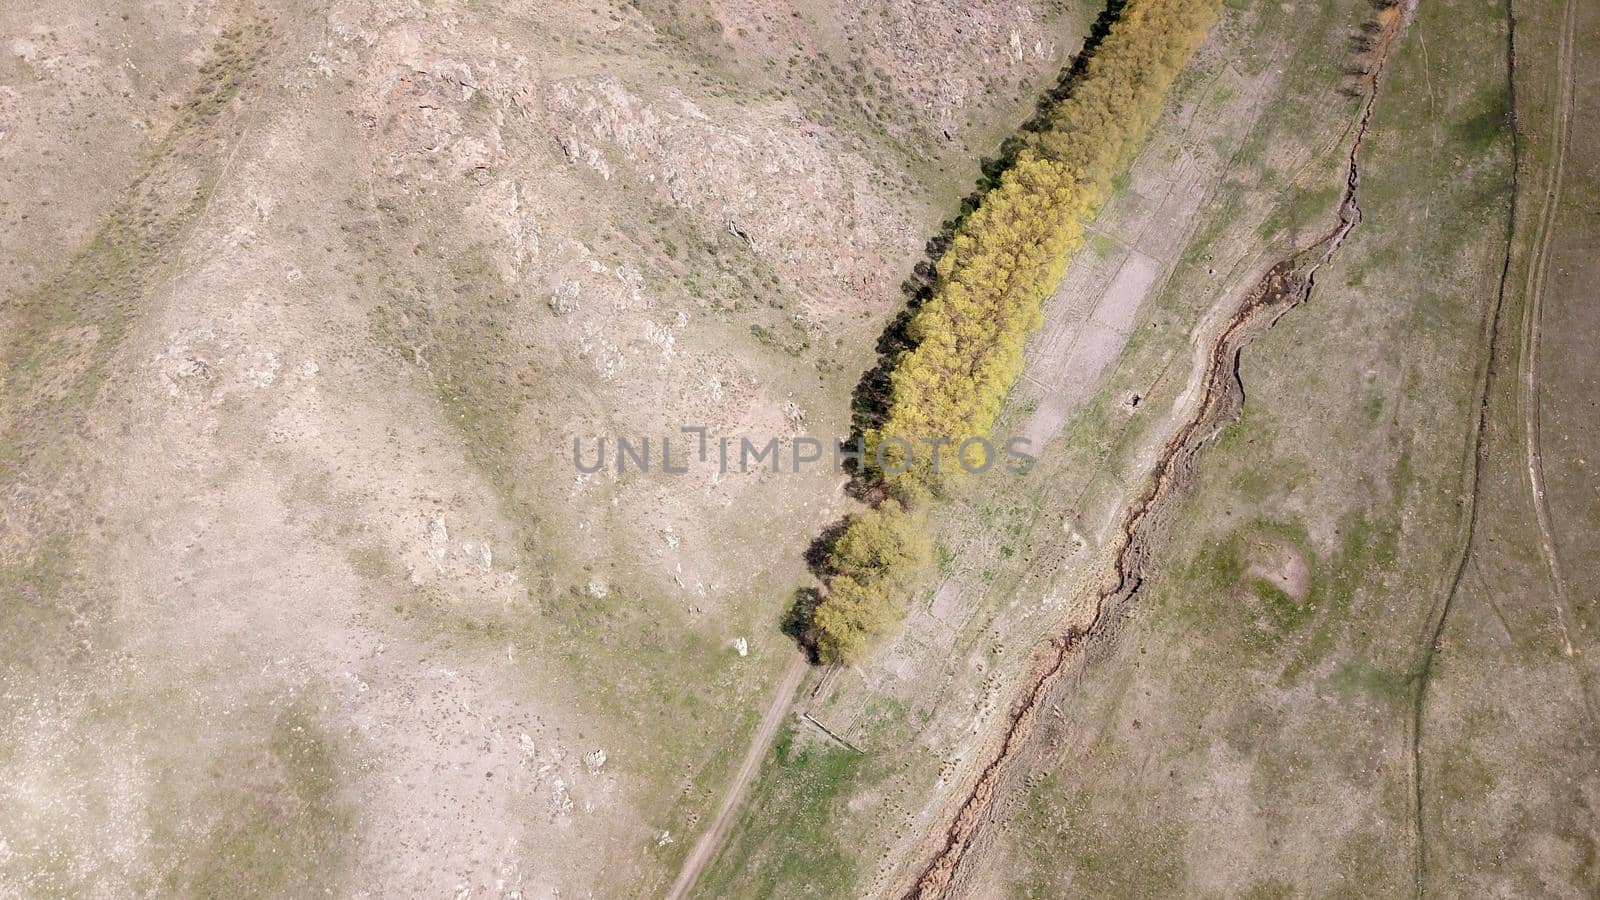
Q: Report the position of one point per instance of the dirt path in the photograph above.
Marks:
(711, 839)
(1471, 479)
(1532, 315)
(1220, 395)
(1527, 398)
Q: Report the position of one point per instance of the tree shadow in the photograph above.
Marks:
(821, 549)
(797, 621)
(869, 401)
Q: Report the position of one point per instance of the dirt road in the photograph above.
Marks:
(711, 840)
(1532, 316)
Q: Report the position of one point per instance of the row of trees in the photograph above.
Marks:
(989, 290)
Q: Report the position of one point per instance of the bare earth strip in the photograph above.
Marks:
(1090, 317)
(711, 840)
(1531, 320)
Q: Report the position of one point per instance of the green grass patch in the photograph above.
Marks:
(804, 783)
(285, 828)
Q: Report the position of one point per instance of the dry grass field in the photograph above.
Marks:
(303, 302)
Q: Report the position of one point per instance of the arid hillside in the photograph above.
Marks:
(304, 304)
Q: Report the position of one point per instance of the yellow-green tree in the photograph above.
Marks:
(989, 288)
(882, 545)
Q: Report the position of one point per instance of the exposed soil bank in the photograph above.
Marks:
(1285, 285)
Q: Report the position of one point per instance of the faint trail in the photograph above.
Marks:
(1285, 285)
(711, 839)
(1532, 316)
(1472, 475)
(1527, 400)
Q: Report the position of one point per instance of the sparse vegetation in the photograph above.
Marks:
(813, 791)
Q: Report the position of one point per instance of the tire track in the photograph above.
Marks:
(1287, 284)
(1532, 320)
(1527, 399)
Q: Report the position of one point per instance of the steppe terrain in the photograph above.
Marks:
(303, 303)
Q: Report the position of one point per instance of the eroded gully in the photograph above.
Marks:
(1286, 284)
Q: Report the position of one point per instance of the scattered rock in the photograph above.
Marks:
(480, 555)
(438, 543)
(560, 799)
